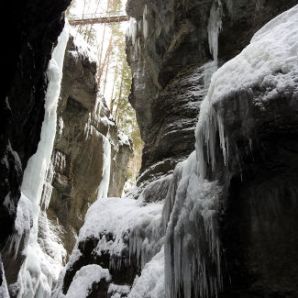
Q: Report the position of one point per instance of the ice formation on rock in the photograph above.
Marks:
(274, 48)
(40, 270)
(117, 220)
(104, 184)
(192, 248)
(84, 279)
(145, 22)
(214, 27)
(151, 283)
(3, 288)
(173, 239)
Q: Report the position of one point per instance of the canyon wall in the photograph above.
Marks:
(85, 129)
(29, 34)
(214, 211)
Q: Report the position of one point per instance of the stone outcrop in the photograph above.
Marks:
(84, 133)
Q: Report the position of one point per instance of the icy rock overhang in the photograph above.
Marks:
(253, 93)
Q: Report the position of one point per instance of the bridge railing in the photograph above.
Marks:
(111, 14)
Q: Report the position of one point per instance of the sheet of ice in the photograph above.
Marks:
(151, 283)
(103, 188)
(214, 27)
(84, 279)
(274, 48)
(23, 223)
(40, 270)
(145, 22)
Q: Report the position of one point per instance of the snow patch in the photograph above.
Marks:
(85, 278)
(120, 224)
(82, 46)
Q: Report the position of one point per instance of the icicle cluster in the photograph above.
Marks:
(130, 223)
(192, 248)
(273, 48)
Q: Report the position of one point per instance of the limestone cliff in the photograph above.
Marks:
(84, 130)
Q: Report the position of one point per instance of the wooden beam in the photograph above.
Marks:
(99, 20)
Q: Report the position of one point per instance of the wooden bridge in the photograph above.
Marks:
(105, 18)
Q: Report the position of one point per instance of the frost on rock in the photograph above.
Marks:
(40, 270)
(273, 51)
(151, 283)
(85, 279)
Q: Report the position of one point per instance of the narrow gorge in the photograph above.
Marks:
(211, 211)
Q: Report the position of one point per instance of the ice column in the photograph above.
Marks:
(214, 27)
(105, 182)
(36, 274)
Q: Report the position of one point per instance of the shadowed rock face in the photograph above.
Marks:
(33, 31)
(173, 37)
(83, 132)
(259, 223)
(258, 218)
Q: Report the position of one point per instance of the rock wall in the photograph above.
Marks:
(34, 27)
(222, 222)
(84, 131)
(167, 39)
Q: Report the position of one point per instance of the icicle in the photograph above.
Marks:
(145, 22)
(105, 181)
(214, 27)
(192, 229)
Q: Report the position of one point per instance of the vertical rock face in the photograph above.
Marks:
(35, 26)
(221, 223)
(165, 39)
(83, 134)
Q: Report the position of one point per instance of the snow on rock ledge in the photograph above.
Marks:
(85, 279)
(267, 62)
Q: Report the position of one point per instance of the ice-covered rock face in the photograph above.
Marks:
(164, 40)
(223, 223)
(247, 134)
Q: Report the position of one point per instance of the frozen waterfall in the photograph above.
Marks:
(40, 270)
